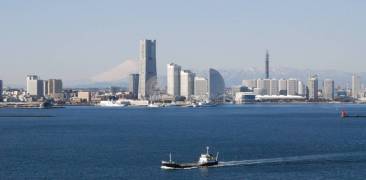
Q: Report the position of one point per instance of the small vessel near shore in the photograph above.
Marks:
(345, 114)
(205, 160)
(112, 104)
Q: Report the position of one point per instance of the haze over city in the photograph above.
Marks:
(194, 89)
(79, 40)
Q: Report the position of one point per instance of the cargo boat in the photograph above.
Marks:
(205, 160)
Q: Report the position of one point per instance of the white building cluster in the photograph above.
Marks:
(274, 87)
(180, 82)
(290, 89)
(37, 88)
(185, 83)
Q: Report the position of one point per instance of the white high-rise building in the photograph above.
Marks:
(34, 86)
(173, 79)
(264, 85)
(201, 88)
(250, 83)
(292, 87)
(186, 83)
(282, 87)
(356, 86)
(216, 86)
(313, 88)
(328, 89)
(274, 87)
(1, 90)
(301, 89)
(147, 69)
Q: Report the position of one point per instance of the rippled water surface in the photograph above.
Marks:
(255, 142)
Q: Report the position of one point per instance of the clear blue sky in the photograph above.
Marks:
(74, 40)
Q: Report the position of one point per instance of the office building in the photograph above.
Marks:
(264, 85)
(147, 69)
(237, 89)
(186, 83)
(173, 79)
(1, 90)
(45, 88)
(55, 88)
(201, 87)
(313, 88)
(133, 85)
(244, 97)
(250, 83)
(328, 89)
(259, 91)
(34, 86)
(84, 96)
(356, 86)
(216, 86)
(292, 87)
(274, 90)
(282, 86)
(301, 89)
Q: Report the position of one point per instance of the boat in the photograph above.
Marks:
(112, 104)
(345, 114)
(151, 105)
(205, 104)
(138, 102)
(205, 160)
(45, 105)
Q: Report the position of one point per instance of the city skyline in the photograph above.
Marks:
(222, 35)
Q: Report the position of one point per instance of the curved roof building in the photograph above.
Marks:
(216, 86)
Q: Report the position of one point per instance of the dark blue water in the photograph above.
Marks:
(129, 143)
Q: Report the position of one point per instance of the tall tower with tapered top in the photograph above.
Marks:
(267, 65)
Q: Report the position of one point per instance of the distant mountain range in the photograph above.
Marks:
(118, 76)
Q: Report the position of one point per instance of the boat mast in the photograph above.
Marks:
(170, 157)
(207, 149)
(217, 156)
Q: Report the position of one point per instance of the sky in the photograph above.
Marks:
(74, 40)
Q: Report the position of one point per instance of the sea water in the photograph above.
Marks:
(256, 141)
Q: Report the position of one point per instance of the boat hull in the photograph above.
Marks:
(186, 165)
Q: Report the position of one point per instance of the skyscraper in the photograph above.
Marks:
(216, 86)
(328, 89)
(292, 87)
(274, 87)
(147, 69)
(201, 87)
(1, 90)
(45, 88)
(313, 88)
(55, 88)
(34, 86)
(356, 86)
(186, 83)
(301, 89)
(133, 85)
(282, 86)
(173, 79)
(267, 65)
(264, 85)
